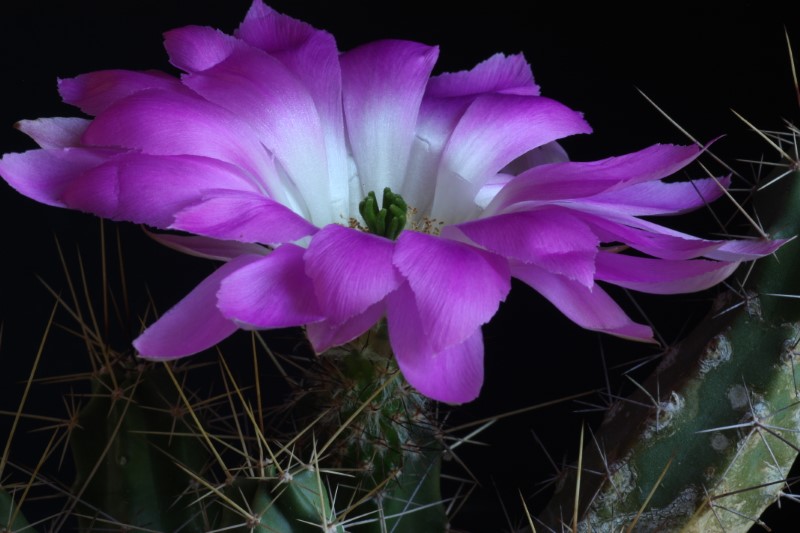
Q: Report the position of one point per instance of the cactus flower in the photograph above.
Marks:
(344, 188)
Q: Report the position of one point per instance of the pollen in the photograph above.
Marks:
(423, 223)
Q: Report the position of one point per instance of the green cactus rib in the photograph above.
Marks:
(293, 503)
(386, 438)
(9, 510)
(724, 423)
(126, 458)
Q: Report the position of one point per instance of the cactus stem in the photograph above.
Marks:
(197, 423)
(357, 412)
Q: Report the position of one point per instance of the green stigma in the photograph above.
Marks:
(390, 219)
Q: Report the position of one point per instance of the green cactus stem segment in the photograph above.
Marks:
(698, 461)
(387, 438)
(390, 219)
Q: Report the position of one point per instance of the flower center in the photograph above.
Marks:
(390, 219)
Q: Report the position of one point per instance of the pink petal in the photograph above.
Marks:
(265, 28)
(494, 131)
(552, 238)
(44, 175)
(745, 249)
(197, 48)
(581, 179)
(446, 98)
(94, 92)
(452, 375)
(660, 276)
(490, 189)
(263, 92)
(612, 225)
(325, 334)
(55, 132)
(457, 287)
(437, 119)
(652, 239)
(206, 247)
(311, 55)
(659, 198)
(382, 87)
(543, 155)
(162, 122)
(351, 270)
(273, 292)
(498, 74)
(590, 308)
(193, 324)
(242, 216)
(150, 189)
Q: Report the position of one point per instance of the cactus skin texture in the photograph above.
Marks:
(138, 460)
(292, 503)
(356, 451)
(388, 441)
(9, 511)
(126, 449)
(714, 449)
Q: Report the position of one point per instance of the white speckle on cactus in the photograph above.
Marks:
(719, 352)
(719, 441)
(791, 350)
(753, 305)
(623, 479)
(760, 410)
(650, 521)
(737, 395)
(668, 358)
(665, 413)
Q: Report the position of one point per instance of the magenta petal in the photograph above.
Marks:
(569, 180)
(324, 335)
(263, 92)
(150, 189)
(160, 122)
(382, 87)
(273, 292)
(543, 155)
(94, 92)
(659, 276)
(452, 375)
(351, 270)
(207, 247)
(745, 249)
(644, 236)
(310, 54)
(494, 131)
(457, 287)
(312, 57)
(57, 132)
(193, 324)
(45, 174)
(265, 28)
(197, 48)
(552, 238)
(499, 73)
(590, 308)
(658, 198)
(658, 241)
(242, 216)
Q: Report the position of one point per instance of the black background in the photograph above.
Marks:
(697, 61)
